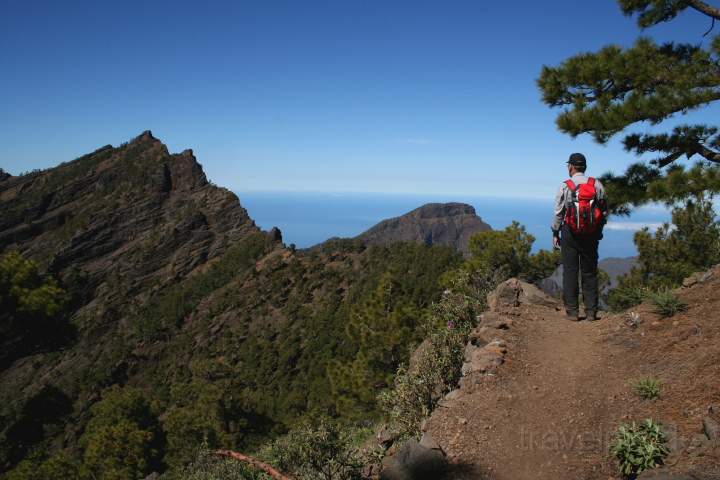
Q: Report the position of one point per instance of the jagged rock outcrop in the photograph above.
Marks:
(134, 212)
(431, 224)
(4, 175)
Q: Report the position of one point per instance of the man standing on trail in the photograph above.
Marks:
(580, 215)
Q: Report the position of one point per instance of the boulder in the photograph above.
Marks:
(423, 460)
(699, 277)
(505, 295)
(532, 295)
(481, 336)
(513, 293)
(495, 320)
(484, 359)
(711, 428)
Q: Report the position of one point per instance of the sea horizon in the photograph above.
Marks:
(307, 218)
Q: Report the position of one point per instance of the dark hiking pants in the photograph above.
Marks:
(579, 253)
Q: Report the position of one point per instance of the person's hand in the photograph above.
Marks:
(556, 242)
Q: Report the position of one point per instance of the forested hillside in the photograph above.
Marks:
(149, 311)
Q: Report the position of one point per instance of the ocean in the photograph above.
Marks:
(309, 218)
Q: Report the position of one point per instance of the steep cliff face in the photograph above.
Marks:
(431, 224)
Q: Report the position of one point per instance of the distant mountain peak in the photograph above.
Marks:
(434, 210)
(433, 224)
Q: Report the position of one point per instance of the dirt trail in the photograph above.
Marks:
(552, 408)
(547, 413)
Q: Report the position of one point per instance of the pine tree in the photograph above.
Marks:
(606, 92)
(123, 440)
(384, 328)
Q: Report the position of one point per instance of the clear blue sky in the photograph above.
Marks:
(388, 96)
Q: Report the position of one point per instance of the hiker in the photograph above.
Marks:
(580, 215)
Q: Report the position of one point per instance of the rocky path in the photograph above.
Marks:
(547, 412)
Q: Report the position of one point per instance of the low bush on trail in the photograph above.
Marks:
(667, 303)
(639, 447)
(648, 388)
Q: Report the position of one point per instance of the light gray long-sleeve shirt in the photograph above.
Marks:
(563, 198)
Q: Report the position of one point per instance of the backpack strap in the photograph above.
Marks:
(591, 181)
(570, 185)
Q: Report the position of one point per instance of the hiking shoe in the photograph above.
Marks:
(572, 315)
(592, 316)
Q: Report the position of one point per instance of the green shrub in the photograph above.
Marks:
(123, 440)
(639, 447)
(36, 467)
(437, 369)
(627, 295)
(406, 404)
(26, 295)
(208, 466)
(648, 388)
(673, 252)
(416, 391)
(507, 252)
(667, 303)
(318, 450)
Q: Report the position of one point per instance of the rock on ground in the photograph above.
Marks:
(423, 460)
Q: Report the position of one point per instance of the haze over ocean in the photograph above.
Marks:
(308, 218)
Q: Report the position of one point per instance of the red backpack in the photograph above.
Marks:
(584, 215)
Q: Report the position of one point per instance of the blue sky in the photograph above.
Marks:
(341, 95)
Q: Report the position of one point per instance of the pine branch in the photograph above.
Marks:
(685, 140)
(630, 189)
(712, 25)
(652, 12)
(710, 155)
(614, 88)
(641, 184)
(705, 8)
(666, 160)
